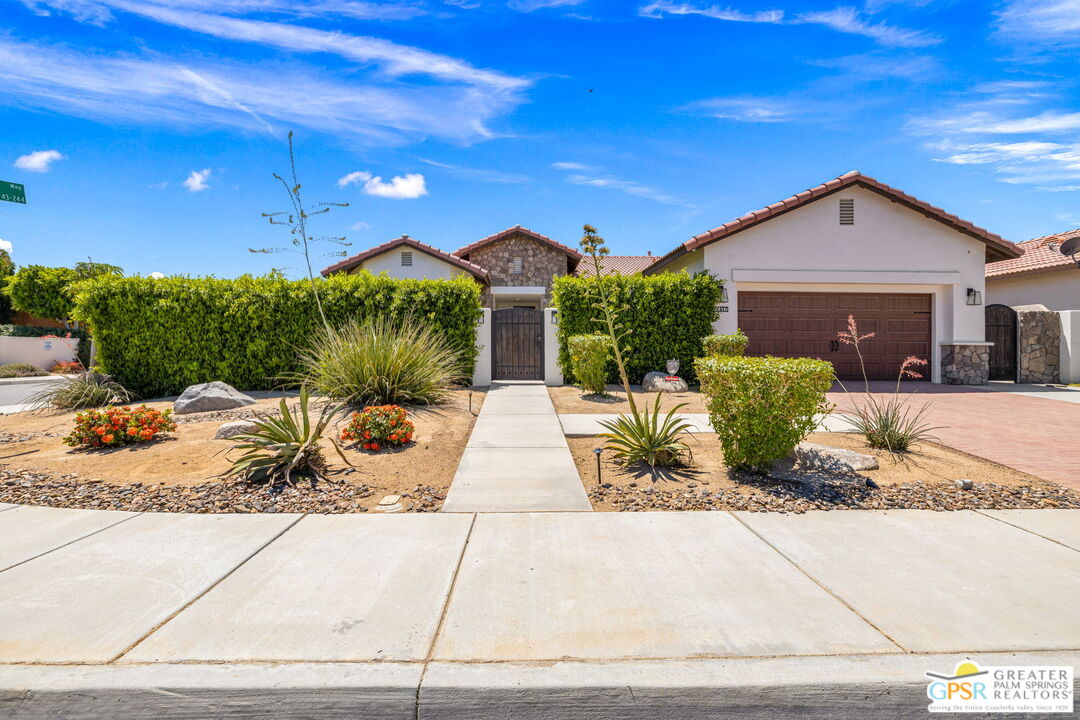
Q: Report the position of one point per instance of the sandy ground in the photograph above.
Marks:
(569, 399)
(928, 463)
(191, 456)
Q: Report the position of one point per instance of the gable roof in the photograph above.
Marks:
(405, 240)
(572, 254)
(997, 248)
(622, 264)
(1038, 256)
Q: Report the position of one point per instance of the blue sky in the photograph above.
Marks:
(146, 131)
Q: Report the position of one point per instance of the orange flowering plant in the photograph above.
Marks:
(115, 426)
(378, 426)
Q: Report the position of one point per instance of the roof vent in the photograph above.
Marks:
(406, 258)
(847, 211)
(518, 266)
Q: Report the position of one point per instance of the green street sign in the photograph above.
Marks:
(12, 192)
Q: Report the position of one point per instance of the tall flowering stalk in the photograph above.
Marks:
(887, 424)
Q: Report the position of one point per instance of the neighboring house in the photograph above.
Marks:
(622, 264)
(1033, 313)
(909, 272)
(404, 257)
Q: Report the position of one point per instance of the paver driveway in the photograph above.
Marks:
(1033, 434)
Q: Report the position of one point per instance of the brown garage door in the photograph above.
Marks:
(798, 324)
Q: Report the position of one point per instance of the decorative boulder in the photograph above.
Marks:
(234, 428)
(833, 459)
(209, 397)
(661, 382)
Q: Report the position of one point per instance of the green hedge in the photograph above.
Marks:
(589, 357)
(732, 344)
(667, 316)
(157, 336)
(43, 291)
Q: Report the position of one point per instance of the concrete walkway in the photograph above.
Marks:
(534, 615)
(517, 459)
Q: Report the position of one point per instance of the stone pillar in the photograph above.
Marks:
(1039, 338)
(965, 364)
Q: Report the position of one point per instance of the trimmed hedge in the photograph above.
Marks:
(157, 336)
(762, 407)
(728, 345)
(43, 291)
(667, 316)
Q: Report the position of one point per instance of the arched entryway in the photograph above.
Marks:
(1001, 330)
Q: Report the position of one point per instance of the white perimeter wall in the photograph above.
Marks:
(482, 372)
(424, 266)
(552, 373)
(890, 248)
(42, 352)
(1057, 289)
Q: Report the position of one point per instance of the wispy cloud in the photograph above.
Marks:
(1047, 20)
(570, 166)
(401, 187)
(531, 5)
(629, 187)
(101, 11)
(38, 161)
(989, 123)
(196, 181)
(842, 19)
(746, 109)
(480, 174)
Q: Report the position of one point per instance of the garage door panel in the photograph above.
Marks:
(806, 325)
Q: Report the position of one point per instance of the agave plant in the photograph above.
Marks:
(649, 437)
(89, 389)
(285, 446)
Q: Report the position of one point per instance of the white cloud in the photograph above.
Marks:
(480, 174)
(196, 181)
(746, 109)
(38, 161)
(401, 187)
(989, 123)
(1027, 162)
(360, 225)
(1053, 20)
(625, 186)
(570, 166)
(157, 275)
(530, 5)
(5, 245)
(842, 19)
(99, 12)
(353, 177)
(404, 187)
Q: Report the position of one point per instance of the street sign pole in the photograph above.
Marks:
(12, 192)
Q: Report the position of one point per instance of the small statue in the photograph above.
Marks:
(672, 366)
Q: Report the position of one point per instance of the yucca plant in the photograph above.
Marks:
(88, 389)
(285, 446)
(380, 362)
(643, 437)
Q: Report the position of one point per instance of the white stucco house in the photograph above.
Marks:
(911, 273)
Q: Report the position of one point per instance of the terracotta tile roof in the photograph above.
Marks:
(351, 262)
(997, 248)
(574, 255)
(1040, 254)
(622, 264)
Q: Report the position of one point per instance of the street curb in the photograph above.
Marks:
(853, 686)
(39, 378)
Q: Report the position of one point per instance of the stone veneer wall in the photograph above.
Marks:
(1039, 338)
(965, 364)
(540, 263)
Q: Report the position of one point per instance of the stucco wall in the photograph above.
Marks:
(540, 263)
(424, 266)
(42, 352)
(482, 371)
(1056, 289)
(1070, 346)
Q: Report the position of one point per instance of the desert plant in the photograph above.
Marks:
(117, 426)
(286, 446)
(643, 437)
(589, 357)
(762, 407)
(728, 345)
(15, 370)
(380, 361)
(887, 424)
(379, 426)
(89, 389)
(66, 367)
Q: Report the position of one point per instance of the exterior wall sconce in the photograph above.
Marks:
(723, 293)
(974, 297)
(554, 317)
(481, 320)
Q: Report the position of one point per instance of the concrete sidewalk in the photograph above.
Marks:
(517, 459)
(533, 615)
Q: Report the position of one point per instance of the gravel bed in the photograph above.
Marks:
(243, 413)
(777, 495)
(223, 496)
(14, 437)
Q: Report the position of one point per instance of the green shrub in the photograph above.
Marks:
(589, 357)
(157, 336)
(16, 370)
(380, 362)
(762, 407)
(43, 291)
(78, 392)
(730, 345)
(666, 316)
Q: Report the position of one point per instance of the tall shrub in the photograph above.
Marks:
(589, 355)
(43, 291)
(726, 345)
(762, 407)
(157, 336)
(665, 316)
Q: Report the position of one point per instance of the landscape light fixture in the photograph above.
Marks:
(974, 297)
(597, 452)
